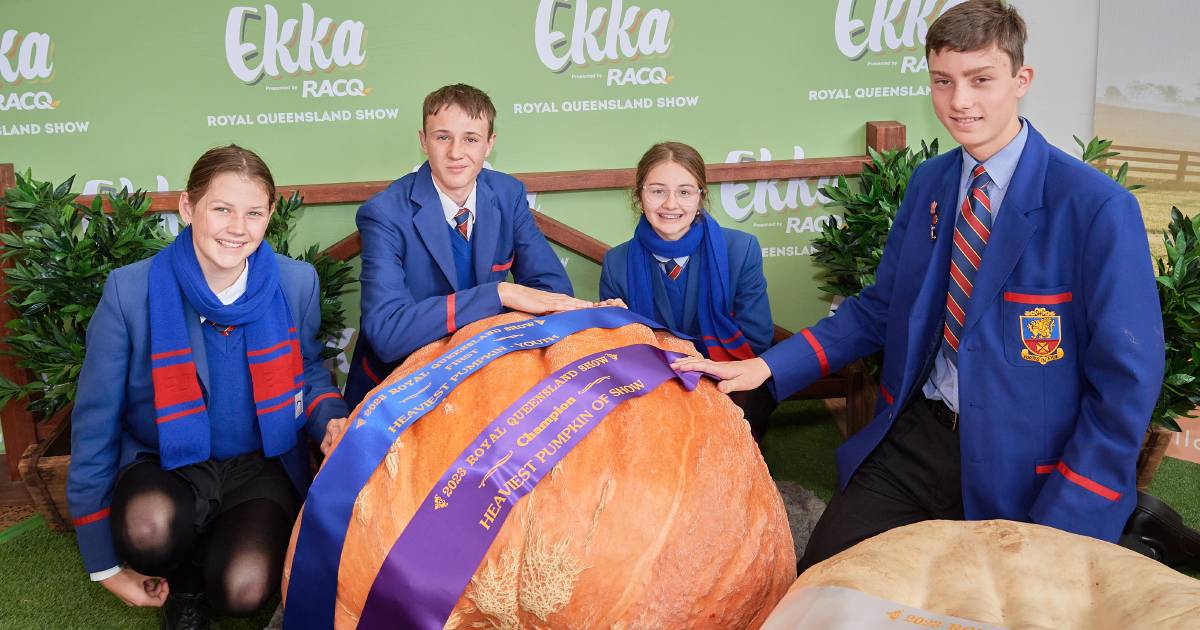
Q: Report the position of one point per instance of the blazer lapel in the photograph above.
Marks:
(1012, 230)
(662, 303)
(484, 235)
(199, 350)
(929, 305)
(431, 224)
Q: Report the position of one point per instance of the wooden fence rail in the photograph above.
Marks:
(1179, 165)
(19, 427)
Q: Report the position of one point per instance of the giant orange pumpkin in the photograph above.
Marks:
(663, 517)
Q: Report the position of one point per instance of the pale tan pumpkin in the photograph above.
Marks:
(1017, 575)
(663, 517)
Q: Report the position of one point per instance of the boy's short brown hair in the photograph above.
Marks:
(977, 24)
(472, 100)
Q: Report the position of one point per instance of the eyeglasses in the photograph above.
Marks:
(684, 195)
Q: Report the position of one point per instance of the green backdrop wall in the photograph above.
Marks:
(130, 93)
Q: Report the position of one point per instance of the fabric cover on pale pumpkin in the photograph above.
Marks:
(1018, 575)
(663, 517)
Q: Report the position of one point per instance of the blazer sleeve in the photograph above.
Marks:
(534, 262)
(394, 321)
(609, 287)
(96, 429)
(1091, 490)
(751, 306)
(322, 399)
(858, 328)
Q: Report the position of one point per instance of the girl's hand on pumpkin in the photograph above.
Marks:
(136, 589)
(735, 376)
(612, 302)
(535, 301)
(332, 430)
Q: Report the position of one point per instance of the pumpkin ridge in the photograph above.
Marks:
(644, 564)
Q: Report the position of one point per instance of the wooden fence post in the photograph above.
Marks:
(17, 422)
(886, 135)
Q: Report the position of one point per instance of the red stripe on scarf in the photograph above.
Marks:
(167, 355)
(277, 407)
(724, 341)
(258, 353)
(175, 384)
(179, 414)
(273, 378)
(736, 353)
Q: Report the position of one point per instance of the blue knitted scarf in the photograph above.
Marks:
(721, 339)
(272, 352)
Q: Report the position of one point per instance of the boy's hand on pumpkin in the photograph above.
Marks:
(535, 301)
(136, 589)
(734, 376)
(332, 430)
(612, 302)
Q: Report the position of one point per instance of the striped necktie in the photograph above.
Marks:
(460, 222)
(671, 268)
(971, 233)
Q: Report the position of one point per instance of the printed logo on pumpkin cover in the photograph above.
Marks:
(570, 35)
(260, 43)
(25, 58)
(1041, 334)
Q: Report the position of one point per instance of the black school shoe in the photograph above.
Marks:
(185, 611)
(1157, 531)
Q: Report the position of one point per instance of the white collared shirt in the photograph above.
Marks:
(235, 290)
(681, 261)
(450, 208)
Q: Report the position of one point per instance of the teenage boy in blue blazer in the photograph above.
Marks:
(1016, 309)
(437, 244)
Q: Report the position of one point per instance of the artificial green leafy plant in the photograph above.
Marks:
(59, 253)
(1179, 296)
(850, 249)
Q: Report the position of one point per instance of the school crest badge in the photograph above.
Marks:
(1041, 333)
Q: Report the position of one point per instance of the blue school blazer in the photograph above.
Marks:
(113, 422)
(751, 306)
(410, 292)
(1066, 277)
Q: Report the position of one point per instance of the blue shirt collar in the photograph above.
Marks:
(1003, 164)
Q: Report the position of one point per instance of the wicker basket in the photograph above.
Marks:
(43, 468)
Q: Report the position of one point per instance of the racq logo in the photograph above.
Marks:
(25, 58)
(604, 34)
(887, 30)
(294, 46)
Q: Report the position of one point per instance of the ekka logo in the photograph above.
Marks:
(25, 57)
(288, 47)
(567, 34)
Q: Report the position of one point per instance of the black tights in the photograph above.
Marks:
(240, 555)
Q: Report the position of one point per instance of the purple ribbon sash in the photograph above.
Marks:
(429, 566)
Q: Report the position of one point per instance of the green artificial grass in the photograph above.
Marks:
(42, 583)
(800, 446)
